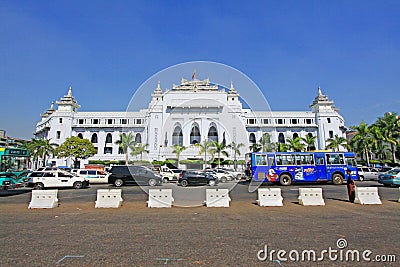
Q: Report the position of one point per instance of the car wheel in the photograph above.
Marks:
(118, 182)
(184, 183)
(361, 178)
(78, 185)
(152, 182)
(223, 179)
(211, 182)
(165, 180)
(337, 179)
(285, 180)
(38, 186)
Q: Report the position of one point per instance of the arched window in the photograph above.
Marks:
(109, 138)
(138, 138)
(177, 136)
(252, 138)
(295, 135)
(94, 138)
(195, 134)
(213, 133)
(80, 135)
(281, 138)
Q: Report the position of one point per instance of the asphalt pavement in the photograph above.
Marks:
(77, 234)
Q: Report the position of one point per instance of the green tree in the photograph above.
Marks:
(76, 148)
(265, 143)
(236, 151)
(361, 141)
(219, 148)
(204, 148)
(41, 148)
(295, 144)
(390, 129)
(336, 142)
(281, 147)
(139, 149)
(255, 147)
(309, 140)
(126, 142)
(177, 150)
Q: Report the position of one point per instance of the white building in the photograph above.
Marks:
(189, 113)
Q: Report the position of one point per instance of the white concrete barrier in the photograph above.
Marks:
(43, 199)
(109, 198)
(217, 198)
(311, 197)
(399, 197)
(160, 198)
(367, 195)
(269, 197)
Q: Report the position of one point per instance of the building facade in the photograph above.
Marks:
(189, 113)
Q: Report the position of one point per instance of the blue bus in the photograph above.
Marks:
(287, 167)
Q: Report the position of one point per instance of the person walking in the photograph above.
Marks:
(350, 186)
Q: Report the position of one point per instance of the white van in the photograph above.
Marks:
(94, 176)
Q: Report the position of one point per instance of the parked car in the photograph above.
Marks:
(367, 173)
(56, 179)
(121, 175)
(389, 178)
(197, 178)
(94, 176)
(168, 175)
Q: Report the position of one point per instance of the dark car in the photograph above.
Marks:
(121, 175)
(197, 178)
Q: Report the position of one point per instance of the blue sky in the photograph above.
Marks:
(107, 49)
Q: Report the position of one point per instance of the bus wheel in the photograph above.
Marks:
(337, 179)
(285, 179)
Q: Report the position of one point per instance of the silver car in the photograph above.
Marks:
(367, 173)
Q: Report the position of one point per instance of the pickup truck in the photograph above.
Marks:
(168, 175)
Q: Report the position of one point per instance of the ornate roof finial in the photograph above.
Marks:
(52, 105)
(70, 91)
(319, 90)
(158, 89)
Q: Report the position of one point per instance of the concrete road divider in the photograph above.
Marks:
(399, 197)
(160, 198)
(217, 198)
(43, 199)
(311, 197)
(270, 197)
(109, 198)
(367, 195)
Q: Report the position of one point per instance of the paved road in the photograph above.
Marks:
(77, 234)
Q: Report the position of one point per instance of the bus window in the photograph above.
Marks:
(285, 159)
(351, 161)
(307, 159)
(320, 161)
(335, 159)
(271, 161)
(298, 160)
(261, 160)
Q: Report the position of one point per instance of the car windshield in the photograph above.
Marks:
(395, 171)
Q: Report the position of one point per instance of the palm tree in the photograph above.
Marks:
(390, 128)
(236, 151)
(41, 148)
(361, 141)
(281, 147)
(309, 140)
(204, 148)
(219, 148)
(178, 149)
(126, 142)
(139, 149)
(295, 144)
(255, 147)
(336, 142)
(265, 143)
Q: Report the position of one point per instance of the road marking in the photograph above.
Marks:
(69, 256)
(166, 260)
